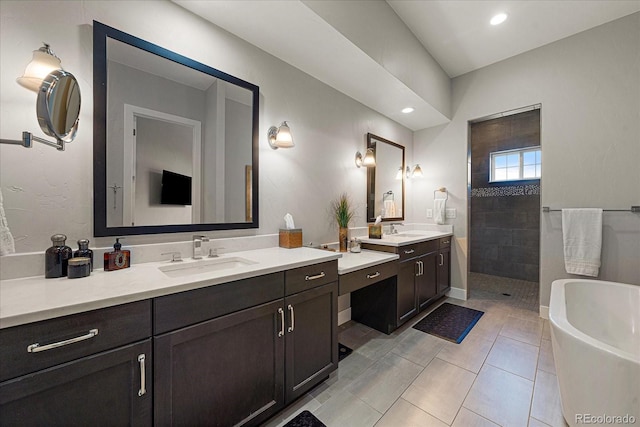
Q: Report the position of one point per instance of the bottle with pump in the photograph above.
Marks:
(84, 251)
(57, 257)
(117, 259)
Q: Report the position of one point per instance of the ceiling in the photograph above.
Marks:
(454, 33)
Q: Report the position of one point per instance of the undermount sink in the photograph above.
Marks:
(205, 266)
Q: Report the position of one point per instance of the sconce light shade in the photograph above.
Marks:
(44, 62)
(369, 159)
(280, 137)
(417, 172)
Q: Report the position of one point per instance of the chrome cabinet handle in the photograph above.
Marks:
(441, 260)
(373, 276)
(421, 267)
(143, 381)
(410, 251)
(35, 348)
(281, 311)
(293, 319)
(317, 276)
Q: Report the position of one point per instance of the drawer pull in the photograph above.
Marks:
(281, 311)
(143, 380)
(293, 320)
(446, 242)
(410, 251)
(373, 276)
(317, 276)
(35, 348)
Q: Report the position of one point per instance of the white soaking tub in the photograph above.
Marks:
(595, 334)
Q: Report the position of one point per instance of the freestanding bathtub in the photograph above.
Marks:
(595, 334)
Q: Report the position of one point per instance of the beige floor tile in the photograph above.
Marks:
(527, 331)
(419, 347)
(546, 330)
(514, 356)
(546, 405)
(466, 418)
(378, 344)
(349, 369)
(537, 423)
(490, 324)
(404, 414)
(469, 354)
(545, 360)
(344, 409)
(525, 314)
(501, 397)
(382, 384)
(440, 389)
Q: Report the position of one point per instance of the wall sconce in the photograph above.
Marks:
(44, 61)
(280, 137)
(58, 103)
(369, 159)
(410, 174)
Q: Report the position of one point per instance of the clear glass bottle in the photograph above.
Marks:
(84, 251)
(56, 258)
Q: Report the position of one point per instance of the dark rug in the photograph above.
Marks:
(450, 322)
(343, 351)
(305, 419)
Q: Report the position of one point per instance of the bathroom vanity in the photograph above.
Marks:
(254, 338)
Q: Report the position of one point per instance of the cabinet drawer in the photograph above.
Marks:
(445, 242)
(191, 307)
(76, 334)
(367, 276)
(310, 276)
(417, 249)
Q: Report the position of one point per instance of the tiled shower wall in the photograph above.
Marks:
(504, 217)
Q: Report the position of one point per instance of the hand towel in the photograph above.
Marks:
(582, 239)
(389, 209)
(439, 210)
(7, 245)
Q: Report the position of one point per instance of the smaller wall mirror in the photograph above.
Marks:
(385, 181)
(58, 105)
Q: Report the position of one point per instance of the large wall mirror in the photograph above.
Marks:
(385, 181)
(175, 141)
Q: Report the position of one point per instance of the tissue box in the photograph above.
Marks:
(290, 238)
(375, 231)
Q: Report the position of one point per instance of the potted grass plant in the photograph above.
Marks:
(343, 215)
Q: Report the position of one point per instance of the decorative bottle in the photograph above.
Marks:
(84, 251)
(117, 259)
(57, 257)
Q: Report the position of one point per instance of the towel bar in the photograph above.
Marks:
(441, 190)
(634, 209)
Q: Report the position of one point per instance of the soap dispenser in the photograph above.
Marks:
(117, 259)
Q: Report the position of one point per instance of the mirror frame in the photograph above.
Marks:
(371, 180)
(100, 34)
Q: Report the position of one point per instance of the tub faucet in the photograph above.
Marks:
(197, 245)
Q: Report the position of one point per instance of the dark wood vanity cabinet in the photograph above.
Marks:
(63, 380)
(444, 265)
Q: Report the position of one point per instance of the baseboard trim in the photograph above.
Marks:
(544, 312)
(344, 316)
(457, 293)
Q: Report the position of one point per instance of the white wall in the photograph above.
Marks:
(47, 192)
(589, 88)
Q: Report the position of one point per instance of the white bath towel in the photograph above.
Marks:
(439, 210)
(582, 238)
(389, 209)
(7, 245)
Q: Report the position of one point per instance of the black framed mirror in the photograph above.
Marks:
(175, 141)
(385, 181)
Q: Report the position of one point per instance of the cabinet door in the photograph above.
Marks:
(444, 270)
(226, 371)
(406, 296)
(426, 279)
(109, 388)
(312, 338)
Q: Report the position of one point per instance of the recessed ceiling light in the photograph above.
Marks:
(408, 110)
(498, 19)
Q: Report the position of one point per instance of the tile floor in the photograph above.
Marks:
(519, 293)
(502, 374)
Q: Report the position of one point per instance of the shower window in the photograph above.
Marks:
(515, 165)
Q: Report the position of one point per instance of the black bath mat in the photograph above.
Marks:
(305, 419)
(343, 351)
(450, 322)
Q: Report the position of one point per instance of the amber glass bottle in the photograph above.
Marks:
(117, 259)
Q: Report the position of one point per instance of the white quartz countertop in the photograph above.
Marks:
(407, 238)
(32, 299)
(351, 261)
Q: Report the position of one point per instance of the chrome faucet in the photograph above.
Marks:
(197, 245)
(392, 227)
